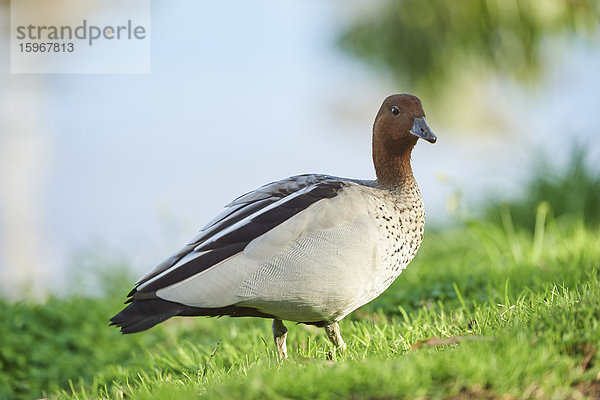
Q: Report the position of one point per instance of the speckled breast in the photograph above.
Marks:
(400, 216)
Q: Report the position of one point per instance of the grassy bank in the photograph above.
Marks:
(514, 306)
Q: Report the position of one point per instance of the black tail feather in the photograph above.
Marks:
(140, 315)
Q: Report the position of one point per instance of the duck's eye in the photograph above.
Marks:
(395, 110)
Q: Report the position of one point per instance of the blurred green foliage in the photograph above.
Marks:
(569, 192)
(43, 346)
(428, 44)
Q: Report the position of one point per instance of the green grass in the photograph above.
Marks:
(526, 303)
(518, 304)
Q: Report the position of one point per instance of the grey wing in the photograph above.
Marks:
(246, 218)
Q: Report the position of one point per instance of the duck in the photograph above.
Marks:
(309, 249)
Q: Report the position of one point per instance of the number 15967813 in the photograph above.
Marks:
(46, 47)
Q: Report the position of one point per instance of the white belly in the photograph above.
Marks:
(324, 275)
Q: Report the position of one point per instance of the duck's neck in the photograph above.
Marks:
(393, 168)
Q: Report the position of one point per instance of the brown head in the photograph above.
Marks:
(398, 125)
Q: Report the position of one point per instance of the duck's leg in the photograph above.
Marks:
(333, 333)
(279, 335)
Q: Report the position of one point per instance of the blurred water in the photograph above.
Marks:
(240, 94)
